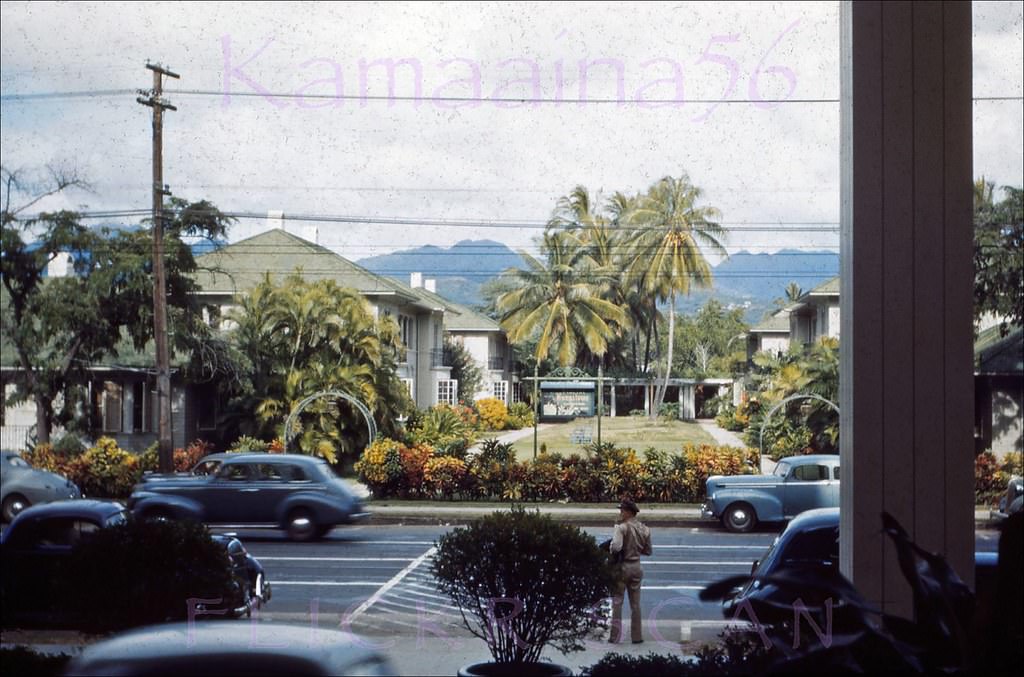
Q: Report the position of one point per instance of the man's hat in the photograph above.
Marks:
(629, 505)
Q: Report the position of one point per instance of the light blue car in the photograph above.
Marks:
(21, 485)
(799, 483)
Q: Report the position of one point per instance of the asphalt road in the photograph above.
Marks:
(375, 580)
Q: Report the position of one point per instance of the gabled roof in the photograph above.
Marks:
(828, 288)
(995, 354)
(776, 324)
(239, 267)
(469, 320)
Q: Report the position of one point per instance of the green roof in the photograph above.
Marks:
(469, 320)
(238, 267)
(826, 288)
(774, 324)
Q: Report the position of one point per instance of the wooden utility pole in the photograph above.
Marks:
(153, 99)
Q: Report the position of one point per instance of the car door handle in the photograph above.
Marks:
(249, 491)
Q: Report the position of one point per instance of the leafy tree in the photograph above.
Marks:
(708, 341)
(59, 326)
(666, 248)
(999, 255)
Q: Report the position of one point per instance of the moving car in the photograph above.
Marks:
(799, 483)
(21, 485)
(230, 649)
(300, 494)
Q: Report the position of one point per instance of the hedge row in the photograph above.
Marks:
(604, 473)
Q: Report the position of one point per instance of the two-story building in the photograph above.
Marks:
(230, 272)
(815, 314)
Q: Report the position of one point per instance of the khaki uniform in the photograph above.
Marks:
(633, 539)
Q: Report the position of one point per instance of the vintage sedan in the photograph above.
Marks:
(21, 485)
(799, 483)
(299, 494)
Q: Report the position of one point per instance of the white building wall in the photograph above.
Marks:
(775, 344)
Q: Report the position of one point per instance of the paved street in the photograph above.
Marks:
(376, 579)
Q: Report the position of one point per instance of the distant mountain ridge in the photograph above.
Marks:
(751, 281)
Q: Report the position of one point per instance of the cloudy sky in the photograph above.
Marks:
(259, 126)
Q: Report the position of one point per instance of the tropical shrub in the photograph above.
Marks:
(702, 462)
(105, 470)
(413, 459)
(69, 445)
(45, 457)
(248, 444)
(669, 410)
(444, 476)
(524, 573)
(380, 466)
(449, 430)
(520, 415)
(493, 413)
(991, 476)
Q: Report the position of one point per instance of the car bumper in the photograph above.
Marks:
(706, 512)
(358, 517)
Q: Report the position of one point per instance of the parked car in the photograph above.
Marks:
(809, 546)
(254, 588)
(37, 544)
(230, 648)
(21, 485)
(300, 494)
(1012, 501)
(799, 483)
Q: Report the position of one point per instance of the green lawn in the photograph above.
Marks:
(624, 431)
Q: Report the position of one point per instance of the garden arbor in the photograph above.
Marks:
(289, 424)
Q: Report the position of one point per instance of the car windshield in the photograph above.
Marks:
(782, 470)
(813, 546)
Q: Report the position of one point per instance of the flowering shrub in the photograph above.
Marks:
(449, 430)
(105, 470)
(606, 473)
(246, 443)
(493, 413)
(45, 457)
(444, 476)
(991, 476)
(702, 462)
(380, 466)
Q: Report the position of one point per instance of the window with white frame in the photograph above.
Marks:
(448, 391)
(410, 386)
(499, 390)
(405, 328)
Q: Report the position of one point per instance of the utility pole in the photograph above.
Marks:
(152, 98)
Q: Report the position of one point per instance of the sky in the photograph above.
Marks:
(451, 141)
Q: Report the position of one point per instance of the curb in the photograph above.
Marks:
(580, 520)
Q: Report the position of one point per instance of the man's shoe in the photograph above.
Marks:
(638, 641)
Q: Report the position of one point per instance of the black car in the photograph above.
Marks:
(808, 547)
(35, 547)
(254, 588)
(300, 494)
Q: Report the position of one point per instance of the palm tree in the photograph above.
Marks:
(670, 230)
(793, 292)
(558, 301)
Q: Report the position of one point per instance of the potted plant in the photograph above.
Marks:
(522, 582)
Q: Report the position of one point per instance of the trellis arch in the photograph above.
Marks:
(768, 416)
(289, 435)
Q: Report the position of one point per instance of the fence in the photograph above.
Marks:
(15, 437)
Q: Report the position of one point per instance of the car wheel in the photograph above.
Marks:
(301, 526)
(14, 504)
(739, 518)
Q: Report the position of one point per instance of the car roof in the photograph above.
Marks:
(814, 519)
(247, 646)
(264, 457)
(811, 458)
(79, 507)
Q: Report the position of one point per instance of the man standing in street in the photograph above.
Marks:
(632, 539)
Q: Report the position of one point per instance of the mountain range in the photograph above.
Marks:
(746, 280)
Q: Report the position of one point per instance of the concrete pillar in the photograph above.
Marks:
(679, 409)
(906, 365)
(647, 399)
(613, 400)
(687, 402)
